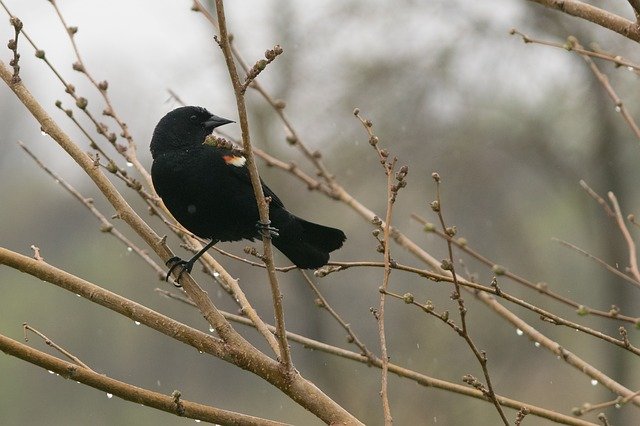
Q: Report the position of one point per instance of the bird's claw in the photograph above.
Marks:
(175, 261)
(266, 230)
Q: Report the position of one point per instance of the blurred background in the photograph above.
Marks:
(511, 128)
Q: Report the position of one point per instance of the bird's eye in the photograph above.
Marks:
(193, 118)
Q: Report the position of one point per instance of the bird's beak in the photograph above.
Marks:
(215, 121)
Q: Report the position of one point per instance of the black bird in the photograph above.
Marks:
(208, 190)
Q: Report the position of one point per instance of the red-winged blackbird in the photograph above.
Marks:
(208, 190)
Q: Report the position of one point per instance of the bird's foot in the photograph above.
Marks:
(266, 230)
(173, 263)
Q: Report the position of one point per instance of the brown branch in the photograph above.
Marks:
(593, 194)
(136, 312)
(244, 354)
(105, 225)
(127, 391)
(573, 360)
(339, 193)
(542, 288)
(565, 355)
(599, 262)
(263, 206)
(322, 302)
(398, 370)
(631, 245)
(572, 44)
(385, 247)
(112, 166)
(481, 356)
(577, 362)
(312, 184)
(589, 407)
(227, 282)
(293, 138)
(131, 152)
(596, 15)
(81, 103)
(54, 345)
(494, 291)
(260, 66)
(617, 60)
(604, 80)
(384, 392)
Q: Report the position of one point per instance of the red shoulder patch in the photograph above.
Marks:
(234, 160)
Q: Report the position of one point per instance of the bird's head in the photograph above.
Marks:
(184, 127)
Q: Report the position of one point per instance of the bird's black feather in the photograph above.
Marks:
(208, 190)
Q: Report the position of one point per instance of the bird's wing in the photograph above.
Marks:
(237, 166)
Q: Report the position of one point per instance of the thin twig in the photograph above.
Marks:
(481, 356)
(293, 138)
(543, 288)
(573, 44)
(617, 60)
(127, 391)
(235, 348)
(593, 194)
(323, 303)
(631, 245)
(596, 15)
(395, 369)
(105, 225)
(385, 247)
(388, 420)
(604, 80)
(492, 290)
(131, 151)
(263, 207)
(339, 193)
(54, 345)
(599, 261)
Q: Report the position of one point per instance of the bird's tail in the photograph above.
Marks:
(305, 243)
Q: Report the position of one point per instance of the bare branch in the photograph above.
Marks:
(573, 45)
(236, 349)
(54, 345)
(401, 371)
(617, 60)
(543, 288)
(604, 80)
(385, 247)
(631, 245)
(263, 206)
(126, 391)
(596, 15)
(102, 87)
(448, 265)
(322, 302)
(105, 225)
(599, 262)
